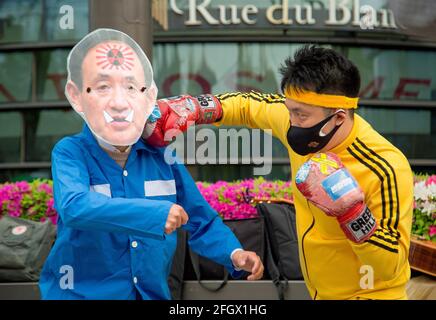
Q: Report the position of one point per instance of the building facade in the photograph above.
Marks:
(215, 46)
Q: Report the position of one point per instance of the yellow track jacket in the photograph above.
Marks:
(333, 266)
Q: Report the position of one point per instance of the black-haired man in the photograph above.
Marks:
(316, 114)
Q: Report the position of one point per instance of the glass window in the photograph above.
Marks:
(412, 131)
(57, 24)
(395, 74)
(43, 20)
(225, 67)
(219, 67)
(15, 76)
(10, 136)
(46, 127)
(20, 20)
(51, 74)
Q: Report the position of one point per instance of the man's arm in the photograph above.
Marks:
(377, 219)
(209, 236)
(253, 110)
(81, 208)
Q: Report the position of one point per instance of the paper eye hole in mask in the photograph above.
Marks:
(108, 90)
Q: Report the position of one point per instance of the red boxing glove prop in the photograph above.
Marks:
(177, 114)
(324, 181)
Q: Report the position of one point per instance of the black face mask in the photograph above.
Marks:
(308, 140)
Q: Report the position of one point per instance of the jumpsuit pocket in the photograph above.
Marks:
(156, 188)
(104, 189)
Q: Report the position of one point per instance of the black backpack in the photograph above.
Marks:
(282, 259)
(250, 232)
(24, 247)
(176, 277)
(272, 235)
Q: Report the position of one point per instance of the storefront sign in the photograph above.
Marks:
(337, 14)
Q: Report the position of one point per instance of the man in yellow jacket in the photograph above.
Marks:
(316, 114)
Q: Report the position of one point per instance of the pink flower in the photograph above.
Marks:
(31, 211)
(22, 186)
(431, 180)
(232, 199)
(53, 219)
(45, 188)
(32, 200)
(432, 231)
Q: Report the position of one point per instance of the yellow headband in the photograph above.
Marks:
(322, 100)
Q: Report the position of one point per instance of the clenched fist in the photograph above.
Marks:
(248, 261)
(175, 115)
(324, 181)
(176, 218)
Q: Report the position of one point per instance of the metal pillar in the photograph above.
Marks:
(132, 17)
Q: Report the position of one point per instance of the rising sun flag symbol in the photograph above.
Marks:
(119, 57)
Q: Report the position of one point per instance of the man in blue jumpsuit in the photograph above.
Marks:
(119, 201)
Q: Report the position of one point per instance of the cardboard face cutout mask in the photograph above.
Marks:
(110, 84)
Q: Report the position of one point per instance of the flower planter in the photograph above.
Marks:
(422, 256)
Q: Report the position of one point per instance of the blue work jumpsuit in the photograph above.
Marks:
(111, 242)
